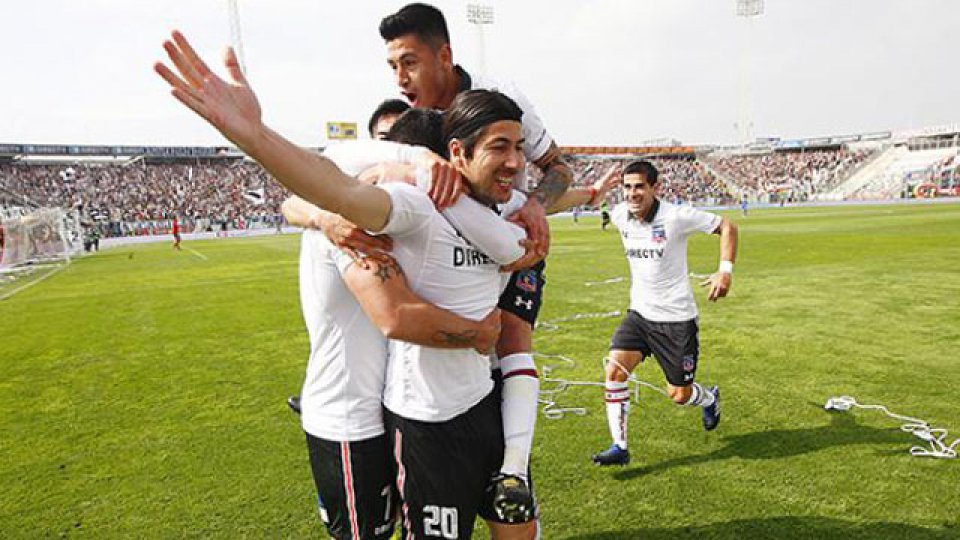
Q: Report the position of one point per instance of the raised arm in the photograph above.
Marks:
(232, 108)
(385, 297)
(557, 177)
(589, 196)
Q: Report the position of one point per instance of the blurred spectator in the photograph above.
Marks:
(790, 175)
(141, 199)
(682, 179)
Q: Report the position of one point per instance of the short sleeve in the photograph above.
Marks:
(691, 220)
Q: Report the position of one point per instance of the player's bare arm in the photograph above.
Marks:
(557, 177)
(590, 196)
(343, 233)
(383, 293)
(233, 109)
(719, 282)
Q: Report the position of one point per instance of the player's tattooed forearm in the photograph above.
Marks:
(557, 177)
(387, 271)
(456, 339)
(553, 185)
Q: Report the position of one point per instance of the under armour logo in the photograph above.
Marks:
(521, 302)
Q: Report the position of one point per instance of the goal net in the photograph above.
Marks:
(42, 235)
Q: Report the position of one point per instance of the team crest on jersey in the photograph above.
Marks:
(658, 234)
(527, 280)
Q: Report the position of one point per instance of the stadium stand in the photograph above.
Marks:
(791, 175)
(683, 177)
(121, 191)
(141, 198)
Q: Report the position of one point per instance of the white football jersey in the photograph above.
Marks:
(341, 396)
(426, 383)
(343, 388)
(657, 253)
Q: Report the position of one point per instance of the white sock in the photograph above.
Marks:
(617, 395)
(521, 388)
(699, 396)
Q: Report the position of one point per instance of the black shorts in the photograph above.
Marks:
(674, 344)
(605, 216)
(355, 486)
(524, 292)
(443, 468)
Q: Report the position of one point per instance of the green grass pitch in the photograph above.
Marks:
(142, 390)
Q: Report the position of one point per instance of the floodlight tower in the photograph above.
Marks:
(233, 14)
(480, 15)
(748, 10)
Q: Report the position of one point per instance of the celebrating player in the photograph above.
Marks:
(420, 55)
(443, 416)
(662, 319)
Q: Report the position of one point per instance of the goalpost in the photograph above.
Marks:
(41, 236)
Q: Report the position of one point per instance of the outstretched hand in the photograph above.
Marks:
(610, 180)
(719, 284)
(231, 107)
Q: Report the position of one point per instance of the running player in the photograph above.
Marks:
(662, 319)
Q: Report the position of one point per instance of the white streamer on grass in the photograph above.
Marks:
(934, 437)
(558, 385)
(617, 279)
(548, 396)
(553, 324)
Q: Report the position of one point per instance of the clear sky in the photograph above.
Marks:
(600, 72)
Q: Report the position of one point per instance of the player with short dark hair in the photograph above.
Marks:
(420, 55)
(446, 270)
(384, 116)
(662, 319)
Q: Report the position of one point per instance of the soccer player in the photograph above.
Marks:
(348, 309)
(452, 410)
(662, 319)
(384, 116)
(175, 230)
(420, 55)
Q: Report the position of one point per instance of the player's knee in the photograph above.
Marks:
(679, 394)
(615, 373)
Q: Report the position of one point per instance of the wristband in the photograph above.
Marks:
(726, 267)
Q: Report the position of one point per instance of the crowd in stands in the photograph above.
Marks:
(220, 194)
(795, 175)
(681, 179)
(139, 198)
